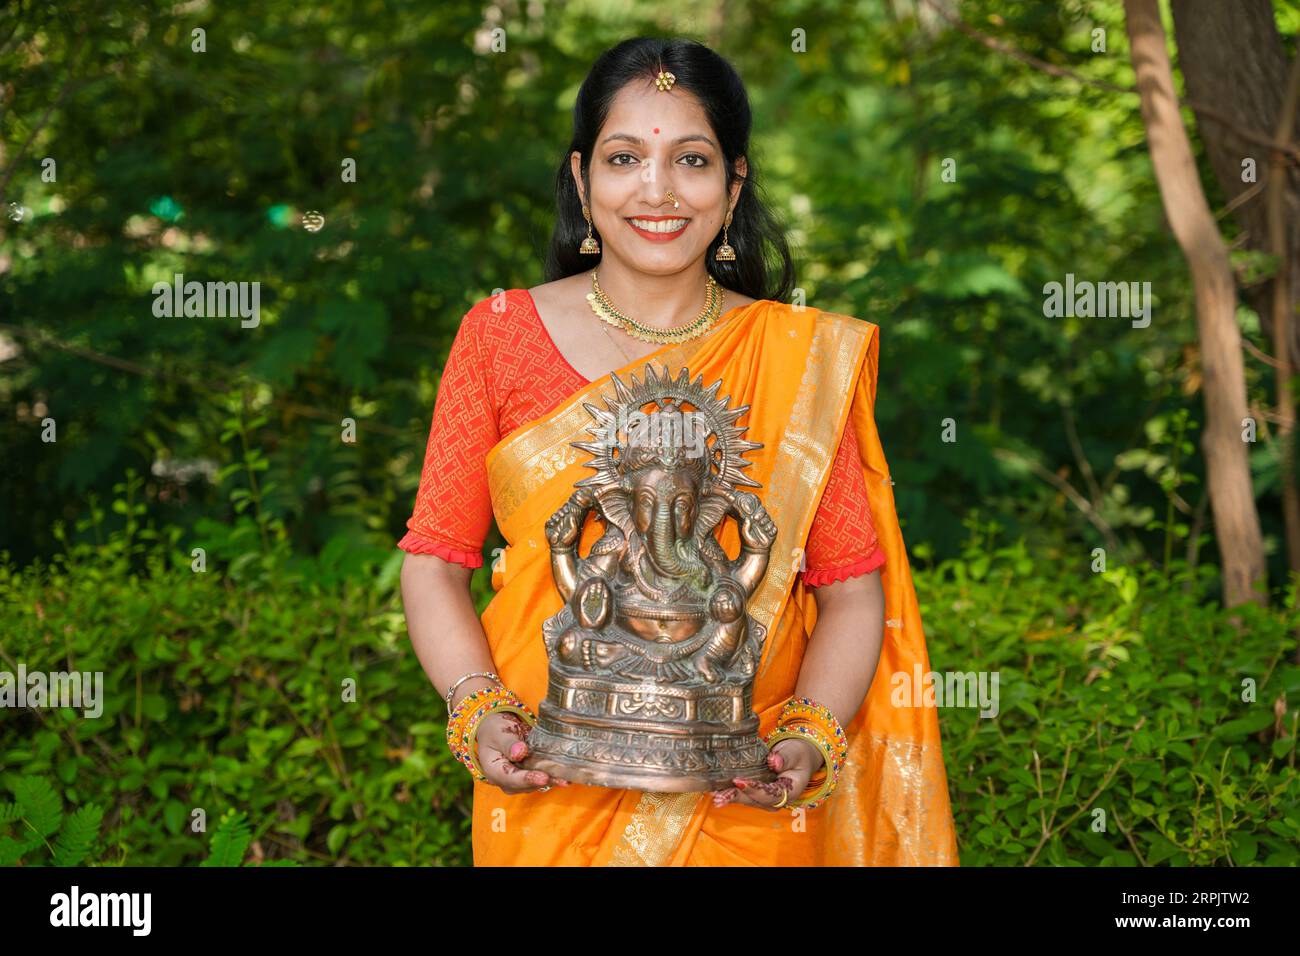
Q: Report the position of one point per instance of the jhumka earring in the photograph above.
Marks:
(725, 252)
(589, 245)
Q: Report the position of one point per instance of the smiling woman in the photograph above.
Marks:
(666, 179)
(658, 190)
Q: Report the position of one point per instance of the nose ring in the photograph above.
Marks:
(673, 198)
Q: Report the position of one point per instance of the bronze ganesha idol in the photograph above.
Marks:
(652, 658)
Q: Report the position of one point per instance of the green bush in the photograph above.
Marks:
(277, 686)
(37, 814)
(226, 692)
(1121, 692)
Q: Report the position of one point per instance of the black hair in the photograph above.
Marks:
(763, 268)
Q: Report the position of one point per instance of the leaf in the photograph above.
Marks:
(38, 804)
(174, 816)
(1244, 726)
(230, 840)
(78, 835)
(1244, 848)
(338, 835)
(11, 850)
(303, 746)
(1161, 849)
(154, 706)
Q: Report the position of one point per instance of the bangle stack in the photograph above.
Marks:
(804, 718)
(463, 722)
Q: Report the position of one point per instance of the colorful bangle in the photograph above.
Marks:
(806, 710)
(818, 740)
(806, 718)
(472, 746)
(838, 754)
(468, 711)
(469, 703)
(462, 725)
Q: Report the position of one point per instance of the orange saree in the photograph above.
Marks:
(806, 374)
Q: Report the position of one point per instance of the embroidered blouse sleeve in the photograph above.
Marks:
(453, 508)
(842, 542)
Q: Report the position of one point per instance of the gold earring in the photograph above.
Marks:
(725, 253)
(589, 245)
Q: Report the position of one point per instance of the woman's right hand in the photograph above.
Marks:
(502, 740)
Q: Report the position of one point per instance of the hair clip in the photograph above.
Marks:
(665, 80)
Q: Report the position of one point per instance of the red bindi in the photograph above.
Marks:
(656, 130)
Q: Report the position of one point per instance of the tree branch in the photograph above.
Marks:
(1056, 481)
(1085, 466)
(1007, 49)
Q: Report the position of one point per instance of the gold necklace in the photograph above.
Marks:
(605, 310)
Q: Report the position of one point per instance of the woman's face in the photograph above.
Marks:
(654, 141)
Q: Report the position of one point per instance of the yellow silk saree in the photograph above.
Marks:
(806, 374)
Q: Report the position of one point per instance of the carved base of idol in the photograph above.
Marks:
(676, 732)
(653, 655)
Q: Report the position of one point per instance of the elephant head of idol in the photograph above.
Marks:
(665, 471)
(664, 447)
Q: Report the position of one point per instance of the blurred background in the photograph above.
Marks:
(207, 512)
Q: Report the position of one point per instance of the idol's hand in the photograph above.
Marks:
(793, 760)
(502, 741)
(756, 526)
(563, 527)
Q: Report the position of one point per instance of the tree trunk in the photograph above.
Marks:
(1234, 65)
(1241, 546)
(1283, 313)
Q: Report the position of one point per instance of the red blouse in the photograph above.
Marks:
(503, 371)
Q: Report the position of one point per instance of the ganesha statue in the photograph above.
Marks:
(653, 655)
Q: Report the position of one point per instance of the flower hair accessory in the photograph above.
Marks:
(665, 81)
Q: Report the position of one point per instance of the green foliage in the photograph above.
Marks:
(171, 160)
(36, 818)
(224, 690)
(230, 841)
(225, 685)
(1122, 691)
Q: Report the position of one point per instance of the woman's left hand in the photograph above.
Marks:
(793, 760)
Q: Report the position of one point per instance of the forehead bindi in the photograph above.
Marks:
(651, 113)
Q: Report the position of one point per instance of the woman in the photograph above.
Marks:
(657, 201)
